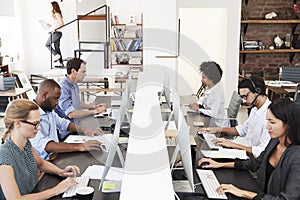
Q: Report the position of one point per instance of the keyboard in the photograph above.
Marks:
(210, 183)
(82, 181)
(209, 140)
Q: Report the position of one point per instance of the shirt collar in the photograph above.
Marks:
(264, 107)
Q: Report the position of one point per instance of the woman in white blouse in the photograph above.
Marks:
(212, 104)
(57, 22)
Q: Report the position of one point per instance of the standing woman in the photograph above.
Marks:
(278, 171)
(19, 162)
(57, 21)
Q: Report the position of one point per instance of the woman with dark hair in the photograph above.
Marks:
(212, 104)
(278, 171)
(19, 162)
(57, 22)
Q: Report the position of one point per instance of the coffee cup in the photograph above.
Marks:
(85, 193)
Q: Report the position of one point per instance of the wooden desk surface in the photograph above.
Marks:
(97, 79)
(13, 92)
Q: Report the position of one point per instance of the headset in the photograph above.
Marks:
(256, 89)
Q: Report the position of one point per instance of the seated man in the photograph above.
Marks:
(46, 140)
(254, 136)
(69, 105)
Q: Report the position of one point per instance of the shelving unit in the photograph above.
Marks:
(247, 22)
(126, 44)
(104, 45)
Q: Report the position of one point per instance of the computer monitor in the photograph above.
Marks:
(183, 146)
(113, 146)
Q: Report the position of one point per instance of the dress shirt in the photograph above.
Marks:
(213, 103)
(50, 122)
(70, 98)
(254, 131)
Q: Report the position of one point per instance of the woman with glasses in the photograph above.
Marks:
(19, 163)
(277, 167)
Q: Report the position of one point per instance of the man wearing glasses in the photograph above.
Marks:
(253, 135)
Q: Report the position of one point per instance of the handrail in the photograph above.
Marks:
(78, 18)
(82, 16)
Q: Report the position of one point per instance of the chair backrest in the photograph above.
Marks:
(291, 74)
(233, 108)
(234, 105)
(22, 81)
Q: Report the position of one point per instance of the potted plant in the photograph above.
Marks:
(1, 57)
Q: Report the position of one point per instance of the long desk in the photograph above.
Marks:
(240, 178)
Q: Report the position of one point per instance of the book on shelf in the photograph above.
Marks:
(136, 45)
(129, 45)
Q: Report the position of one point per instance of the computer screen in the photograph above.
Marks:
(183, 143)
(113, 147)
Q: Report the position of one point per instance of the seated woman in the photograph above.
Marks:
(212, 104)
(19, 162)
(277, 167)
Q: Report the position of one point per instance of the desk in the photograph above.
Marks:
(13, 92)
(241, 178)
(278, 92)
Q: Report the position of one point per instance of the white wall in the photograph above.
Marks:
(226, 51)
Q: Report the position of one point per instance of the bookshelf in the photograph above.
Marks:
(126, 44)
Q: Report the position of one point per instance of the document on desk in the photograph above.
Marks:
(95, 172)
(225, 153)
(105, 139)
(280, 83)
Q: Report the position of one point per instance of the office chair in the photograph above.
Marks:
(233, 108)
(291, 74)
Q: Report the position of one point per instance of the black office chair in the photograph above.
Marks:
(233, 108)
(291, 74)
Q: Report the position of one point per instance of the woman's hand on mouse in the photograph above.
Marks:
(211, 163)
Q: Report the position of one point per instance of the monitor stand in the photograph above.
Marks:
(182, 186)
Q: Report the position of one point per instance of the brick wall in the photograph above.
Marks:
(269, 63)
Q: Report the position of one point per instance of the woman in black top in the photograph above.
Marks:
(278, 167)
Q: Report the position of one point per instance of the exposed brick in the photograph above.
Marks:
(269, 62)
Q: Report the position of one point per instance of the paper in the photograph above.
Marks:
(104, 139)
(225, 153)
(281, 83)
(95, 172)
(45, 25)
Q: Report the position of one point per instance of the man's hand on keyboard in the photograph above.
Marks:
(211, 163)
(224, 142)
(90, 145)
(93, 132)
(64, 185)
(209, 130)
(70, 171)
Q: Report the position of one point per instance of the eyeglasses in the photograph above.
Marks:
(36, 125)
(244, 96)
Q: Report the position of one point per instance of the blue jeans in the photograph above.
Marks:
(56, 36)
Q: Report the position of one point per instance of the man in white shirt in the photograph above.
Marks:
(253, 135)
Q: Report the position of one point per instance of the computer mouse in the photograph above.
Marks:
(201, 166)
